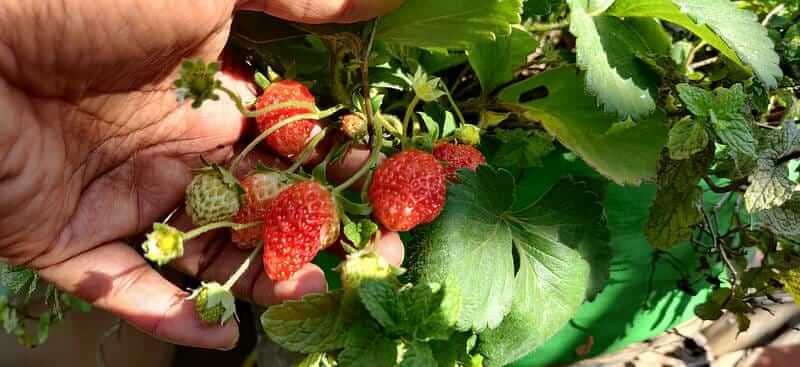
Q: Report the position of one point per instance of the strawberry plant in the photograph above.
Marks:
(463, 105)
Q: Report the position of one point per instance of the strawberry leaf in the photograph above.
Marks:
(495, 61)
(610, 49)
(367, 347)
(453, 24)
(736, 33)
(626, 153)
(471, 248)
(686, 138)
(418, 355)
(312, 324)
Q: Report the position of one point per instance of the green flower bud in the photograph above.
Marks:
(469, 134)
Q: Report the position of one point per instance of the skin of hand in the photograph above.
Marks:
(94, 148)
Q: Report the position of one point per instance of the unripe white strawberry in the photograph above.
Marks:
(214, 195)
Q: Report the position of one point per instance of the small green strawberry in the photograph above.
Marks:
(163, 244)
(469, 134)
(360, 267)
(214, 303)
(214, 195)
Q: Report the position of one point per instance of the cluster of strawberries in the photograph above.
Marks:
(294, 217)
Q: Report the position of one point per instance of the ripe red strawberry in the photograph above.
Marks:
(457, 156)
(407, 189)
(290, 140)
(260, 188)
(298, 223)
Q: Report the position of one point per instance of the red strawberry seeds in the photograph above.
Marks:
(295, 223)
(290, 140)
(260, 188)
(455, 157)
(407, 189)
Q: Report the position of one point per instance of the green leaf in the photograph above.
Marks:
(367, 347)
(610, 49)
(783, 220)
(469, 247)
(430, 311)
(456, 348)
(382, 302)
(736, 33)
(735, 131)
(18, 279)
(312, 324)
(729, 101)
(686, 138)
(495, 61)
(697, 100)
(360, 233)
(708, 311)
(770, 186)
(418, 355)
(520, 148)
(627, 154)
(675, 209)
(553, 269)
(453, 24)
(430, 125)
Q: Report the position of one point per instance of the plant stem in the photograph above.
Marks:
(308, 150)
(461, 120)
(546, 27)
(212, 226)
(306, 116)
(693, 54)
(242, 268)
(377, 128)
(772, 14)
(409, 112)
(274, 107)
(704, 63)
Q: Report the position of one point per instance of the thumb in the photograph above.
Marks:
(322, 11)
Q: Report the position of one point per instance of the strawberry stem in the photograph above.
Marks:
(307, 151)
(242, 269)
(212, 226)
(283, 123)
(409, 113)
(377, 143)
(263, 111)
(461, 120)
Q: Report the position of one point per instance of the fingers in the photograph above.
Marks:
(391, 248)
(322, 11)
(115, 278)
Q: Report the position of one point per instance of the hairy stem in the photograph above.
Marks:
(309, 149)
(212, 226)
(242, 268)
(453, 103)
(306, 116)
(409, 113)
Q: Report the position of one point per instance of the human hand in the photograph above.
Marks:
(94, 149)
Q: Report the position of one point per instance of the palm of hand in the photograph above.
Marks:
(94, 148)
(101, 150)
